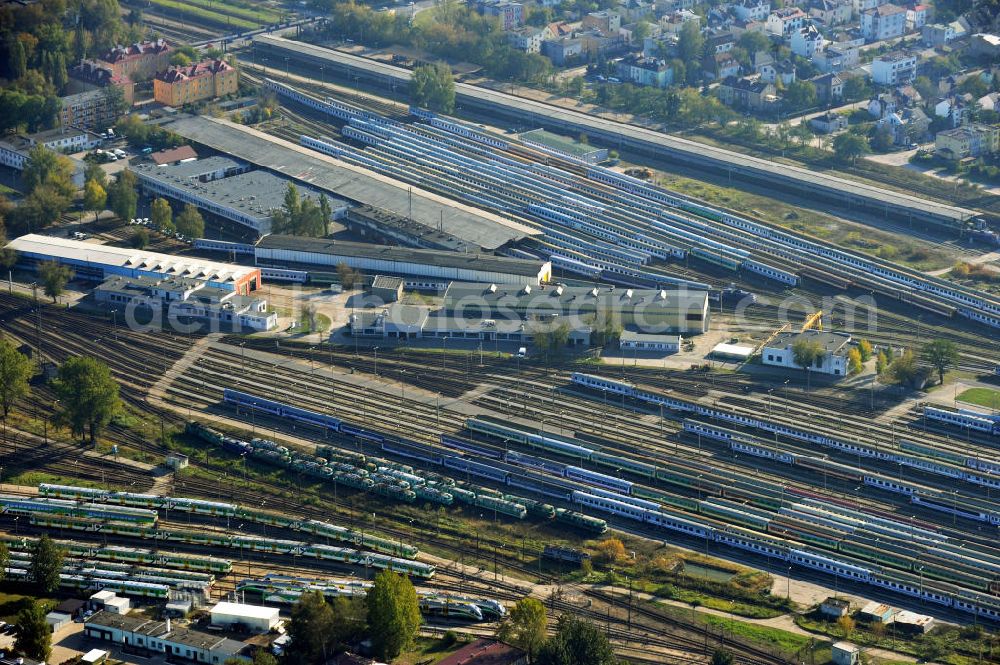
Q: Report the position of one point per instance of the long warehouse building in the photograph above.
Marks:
(849, 195)
(301, 253)
(359, 185)
(100, 262)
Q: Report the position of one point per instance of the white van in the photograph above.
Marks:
(522, 352)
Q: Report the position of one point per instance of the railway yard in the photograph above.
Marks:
(487, 472)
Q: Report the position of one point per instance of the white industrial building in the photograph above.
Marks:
(149, 637)
(779, 351)
(312, 253)
(99, 262)
(257, 618)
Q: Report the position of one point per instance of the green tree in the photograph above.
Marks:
(722, 657)
(393, 614)
(349, 278)
(32, 636)
(855, 88)
(576, 642)
(190, 223)
(326, 213)
(690, 45)
(54, 278)
(350, 620)
(162, 215)
(752, 42)
(854, 365)
(807, 352)
(94, 197)
(800, 95)
(180, 60)
(882, 139)
(525, 626)
(882, 362)
(4, 560)
(865, 349)
(18, 60)
(904, 370)
(93, 171)
(140, 238)
(848, 147)
(940, 354)
(122, 195)
(433, 87)
(45, 167)
(46, 564)
(15, 373)
(311, 628)
(88, 395)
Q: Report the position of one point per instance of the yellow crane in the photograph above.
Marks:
(814, 320)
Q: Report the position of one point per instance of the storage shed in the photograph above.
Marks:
(845, 653)
(57, 620)
(117, 605)
(257, 618)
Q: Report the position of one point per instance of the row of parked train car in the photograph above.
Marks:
(964, 418)
(967, 507)
(240, 542)
(978, 470)
(287, 590)
(475, 495)
(860, 535)
(128, 555)
(325, 530)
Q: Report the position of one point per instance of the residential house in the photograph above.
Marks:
(837, 57)
(509, 13)
(894, 69)
(806, 41)
(485, 651)
(641, 70)
(971, 140)
(829, 88)
(560, 29)
(831, 12)
(990, 102)
(139, 61)
(721, 42)
(882, 105)
(907, 126)
(598, 43)
(884, 22)
(94, 109)
(528, 38)
(916, 16)
(563, 51)
(636, 10)
(939, 34)
(953, 108)
(761, 59)
(720, 66)
(666, 6)
(828, 123)
(192, 83)
(672, 23)
(102, 75)
(750, 93)
(608, 20)
(908, 96)
(782, 22)
(861, 6)
(783, 71)
(752, 10)
(985, 46)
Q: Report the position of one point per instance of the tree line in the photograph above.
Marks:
(40, 41)
(87, 392)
